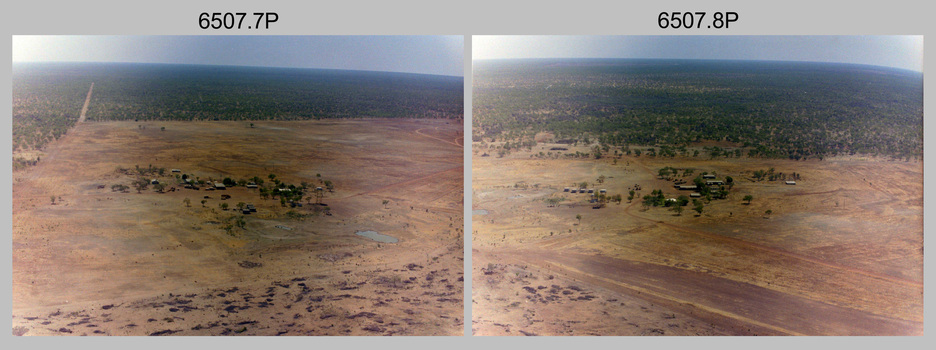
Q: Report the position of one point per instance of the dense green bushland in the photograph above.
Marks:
(767, 109)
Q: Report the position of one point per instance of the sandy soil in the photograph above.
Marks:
(110, 263)
(841, 252)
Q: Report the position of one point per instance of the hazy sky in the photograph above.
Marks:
(892, 51)
(442, 55)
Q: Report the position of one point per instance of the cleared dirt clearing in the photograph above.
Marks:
(96, 247)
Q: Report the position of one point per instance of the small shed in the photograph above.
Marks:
(154, 182)
(176, 170)
(791, 182)
(695, 195)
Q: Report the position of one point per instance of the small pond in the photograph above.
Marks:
(375, 236)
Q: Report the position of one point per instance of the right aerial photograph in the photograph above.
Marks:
(697, 185)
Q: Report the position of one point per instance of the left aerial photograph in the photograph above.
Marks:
(237, 185)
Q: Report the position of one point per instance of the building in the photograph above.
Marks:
(695, 195)
(791, 182)
(708, 176)
(688, 187)
(714, 182)
(219, 186)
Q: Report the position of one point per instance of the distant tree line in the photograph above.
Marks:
(45, 105)
(768, 109)
(47, 97)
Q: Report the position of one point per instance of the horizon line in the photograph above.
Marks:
(694, 59)
(238, 66)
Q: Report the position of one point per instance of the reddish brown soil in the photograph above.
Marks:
(840, 254)
(109, 263)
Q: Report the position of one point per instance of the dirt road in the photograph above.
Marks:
(712, 298)
(84, 109)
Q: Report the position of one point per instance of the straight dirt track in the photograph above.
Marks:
(84, 109)
(832, 255)
(704, 296)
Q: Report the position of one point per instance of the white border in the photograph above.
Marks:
(796, 17)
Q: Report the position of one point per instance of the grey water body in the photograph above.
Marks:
(375, 236)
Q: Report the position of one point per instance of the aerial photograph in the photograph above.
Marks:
(237, 185)
(697, 185)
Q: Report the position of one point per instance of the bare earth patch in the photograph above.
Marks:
(105, 262)
(839, 253)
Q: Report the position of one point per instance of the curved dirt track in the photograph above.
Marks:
(455, 143)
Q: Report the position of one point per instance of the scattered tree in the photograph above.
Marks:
(140, 184)
(699, 208)
(748, 199)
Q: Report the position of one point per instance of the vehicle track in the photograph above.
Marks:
(782, 252)
(84, 109)
(706, 296)
(419, 132)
